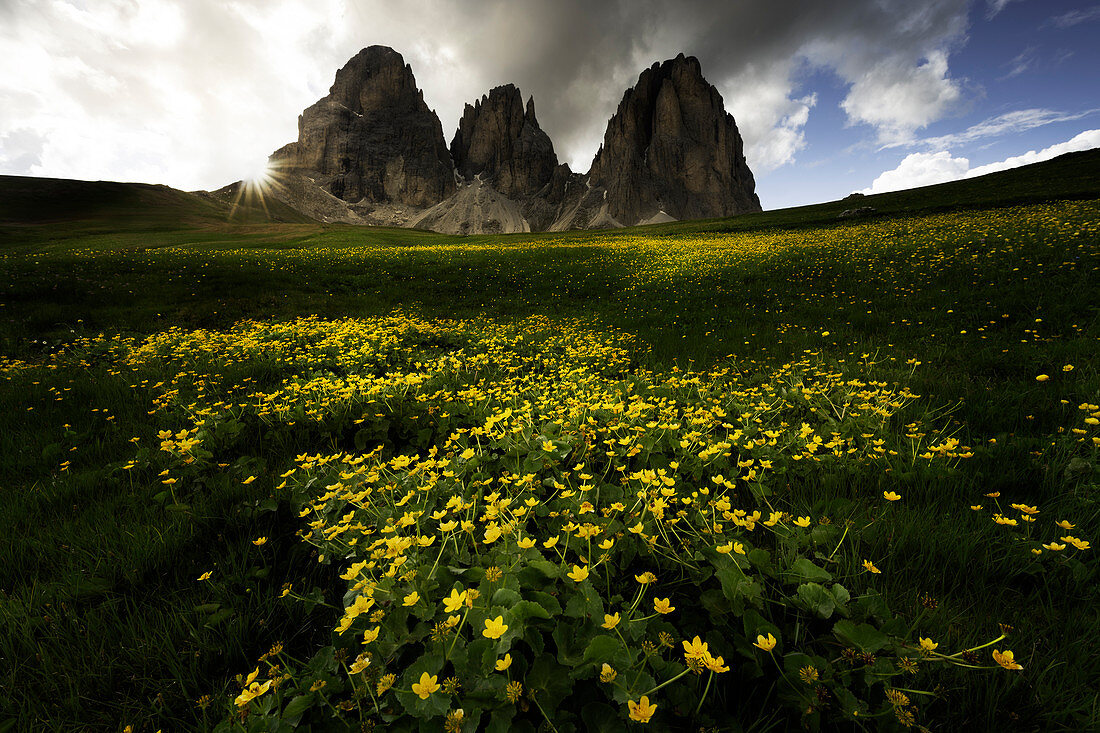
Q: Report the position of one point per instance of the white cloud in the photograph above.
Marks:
(994, 7)
(926, 169)
(1075, 17)
(898, 99)
(1023, 61)
(1087, 140)
(1008, 123)
(920, 169)
(771, 122)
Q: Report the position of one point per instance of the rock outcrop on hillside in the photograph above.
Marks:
(373, 139)
(500, 142)
(671, 147)
(372, 152)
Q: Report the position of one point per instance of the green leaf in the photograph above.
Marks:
(219, 617)
(524, 610)
(864, 637)
(606, 648)
(547, 601)
(841, 596)
(566, 638)
(816, 599)
(601, 718)
(805, 571)
(551, 680)
(505, 597)
(537, 573)
(501, 720)
(297, 707)
(823, 533)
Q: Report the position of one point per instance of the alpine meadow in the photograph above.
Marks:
(777, 471)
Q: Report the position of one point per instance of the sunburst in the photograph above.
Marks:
(257, 186)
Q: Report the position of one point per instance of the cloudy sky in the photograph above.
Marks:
(831, 97)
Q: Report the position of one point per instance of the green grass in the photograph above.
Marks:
(103, 622)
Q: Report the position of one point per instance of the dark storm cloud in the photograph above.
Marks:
(577, 57)
(189, 91)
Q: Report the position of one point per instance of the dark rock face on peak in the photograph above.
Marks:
(501, 142)
(372, 152)
(672, 147)
(373, 139)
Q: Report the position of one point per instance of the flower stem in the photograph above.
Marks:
(705, 691)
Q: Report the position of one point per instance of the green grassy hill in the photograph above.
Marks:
(176, 389)
(87, 207)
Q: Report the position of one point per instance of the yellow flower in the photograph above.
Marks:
(547, 446)
(662, 605)
(550, 542)
(427, 685)
(607, 544)
(468, 454)
(205, 576)
(577, 574)
(494, 628)
(927, 644)
(695, 649)
(725, 549)
(526, 543)
(870, 567)
(802, 522)
(610, 620)
(505, 663)
(890, 495)
(249, 480)
(646, 577)
(1006, 659)
(1078, 543)
(715, 664)
(1065, 524)
(492, 533)
(455, 601)
(1067, 368)
(607, 673)
(1054, 546)
(641, 711)
(738, 548)
(361, 662)
(259, 541)
(411, 599)
(251, 692)
(1042, 378)
(447, 526)
(767, 643)
(371, 634)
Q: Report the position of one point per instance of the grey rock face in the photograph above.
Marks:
(373, 139)
(372, 152)
(672, 147)
(501, 142)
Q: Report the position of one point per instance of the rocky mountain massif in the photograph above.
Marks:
(372, 152)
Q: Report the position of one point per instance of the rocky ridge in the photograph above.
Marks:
(372, 152)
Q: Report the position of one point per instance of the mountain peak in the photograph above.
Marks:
(672, 147)
(500, 141)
